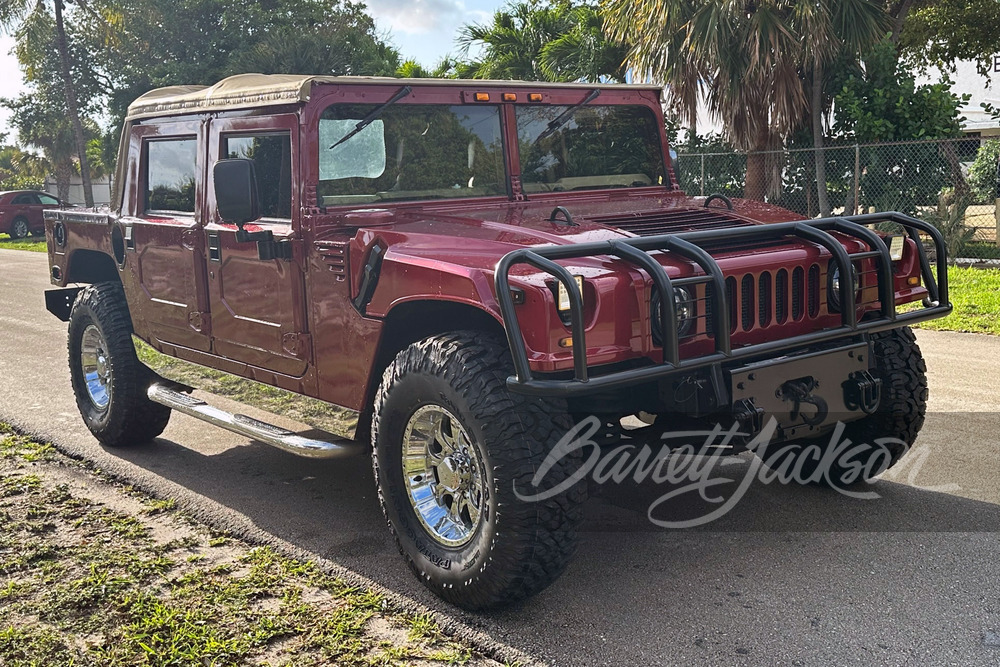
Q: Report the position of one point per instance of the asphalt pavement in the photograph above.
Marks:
(788, 576)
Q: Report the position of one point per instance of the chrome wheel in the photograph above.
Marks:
(444, 475)
(96, 367)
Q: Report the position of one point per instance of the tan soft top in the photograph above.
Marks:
(254, 90)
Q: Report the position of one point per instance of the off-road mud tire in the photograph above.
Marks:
(519, 547)
(130, 418)
(892, 429)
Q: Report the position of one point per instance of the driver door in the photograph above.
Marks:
(258, 306)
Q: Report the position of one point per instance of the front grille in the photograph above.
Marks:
(674, 221)
(797, 293)
(781, 297)
(759, 301)
(746, 301)
(814, 290)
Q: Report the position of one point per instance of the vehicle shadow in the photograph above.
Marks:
(634, 589)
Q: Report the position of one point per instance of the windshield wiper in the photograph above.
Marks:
(565, 116)
(370, 118)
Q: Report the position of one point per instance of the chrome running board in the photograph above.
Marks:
(252, 428)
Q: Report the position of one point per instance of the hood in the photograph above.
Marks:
(476, 235)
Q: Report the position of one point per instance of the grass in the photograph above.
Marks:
(97, 574)
(32, 243)
(975, 294)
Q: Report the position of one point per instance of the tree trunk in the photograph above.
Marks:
(71, 106)
(898, 14)
(64, 175)
(816, 109)
(756, 183)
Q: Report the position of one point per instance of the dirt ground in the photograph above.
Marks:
(93, 572)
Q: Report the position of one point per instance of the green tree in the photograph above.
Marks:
(43, 124)
(758, 65)
(943, 31)
(882, 103)
(542, 42)
(983, 172)
(21, 170)
(138, 45)
(24, 16)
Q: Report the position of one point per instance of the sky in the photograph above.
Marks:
(422, 30)
(425, 30)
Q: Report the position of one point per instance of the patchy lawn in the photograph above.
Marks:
(975, 293)
(32, 243)
(93, 573)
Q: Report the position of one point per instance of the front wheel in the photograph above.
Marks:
(451, 444)
(878, 440)
(19, 228)
(108, 379)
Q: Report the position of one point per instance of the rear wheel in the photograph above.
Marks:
(878, 441)
(19, 228)
(109, 381)
(451, 444)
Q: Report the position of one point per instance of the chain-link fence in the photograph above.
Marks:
(939, 181)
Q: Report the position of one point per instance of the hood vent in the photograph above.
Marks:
(672, 221)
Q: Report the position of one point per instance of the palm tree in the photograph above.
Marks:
(556, 42)
(758, 64)
(14, 12)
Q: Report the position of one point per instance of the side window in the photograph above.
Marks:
(170, 174)
(272, 157)
(26, 198)
(48, 201)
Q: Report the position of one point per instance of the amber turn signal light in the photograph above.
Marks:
(913, 281)
(566, 342)
(482, 97)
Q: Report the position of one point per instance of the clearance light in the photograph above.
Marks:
(482, 97)
(566, 342)
(913, 281)
(510, 97)
(534, 97)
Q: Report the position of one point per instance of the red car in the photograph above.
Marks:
(21, 212)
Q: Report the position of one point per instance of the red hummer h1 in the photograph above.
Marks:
(457, 272)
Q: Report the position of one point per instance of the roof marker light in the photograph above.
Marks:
(534, 97)
(510, 97)
(482, 97)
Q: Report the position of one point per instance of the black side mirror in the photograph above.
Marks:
(236, 191)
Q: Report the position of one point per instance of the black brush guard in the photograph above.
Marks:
(686, 244)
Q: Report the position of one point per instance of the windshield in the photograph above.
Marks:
(598, 146)
(410, 152)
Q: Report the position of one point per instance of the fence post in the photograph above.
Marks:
(996, 210)
(703, 177)
(857, 178)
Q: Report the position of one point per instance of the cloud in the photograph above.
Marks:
(415, 17)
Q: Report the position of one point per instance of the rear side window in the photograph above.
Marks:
(48, 201)
(25, 198)
(272, 158)
(170, 174)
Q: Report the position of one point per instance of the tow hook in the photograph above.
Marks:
(800, 391)
(862, 391)
(749, 418)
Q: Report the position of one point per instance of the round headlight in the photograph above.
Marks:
(834, 288)
(684, 309)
